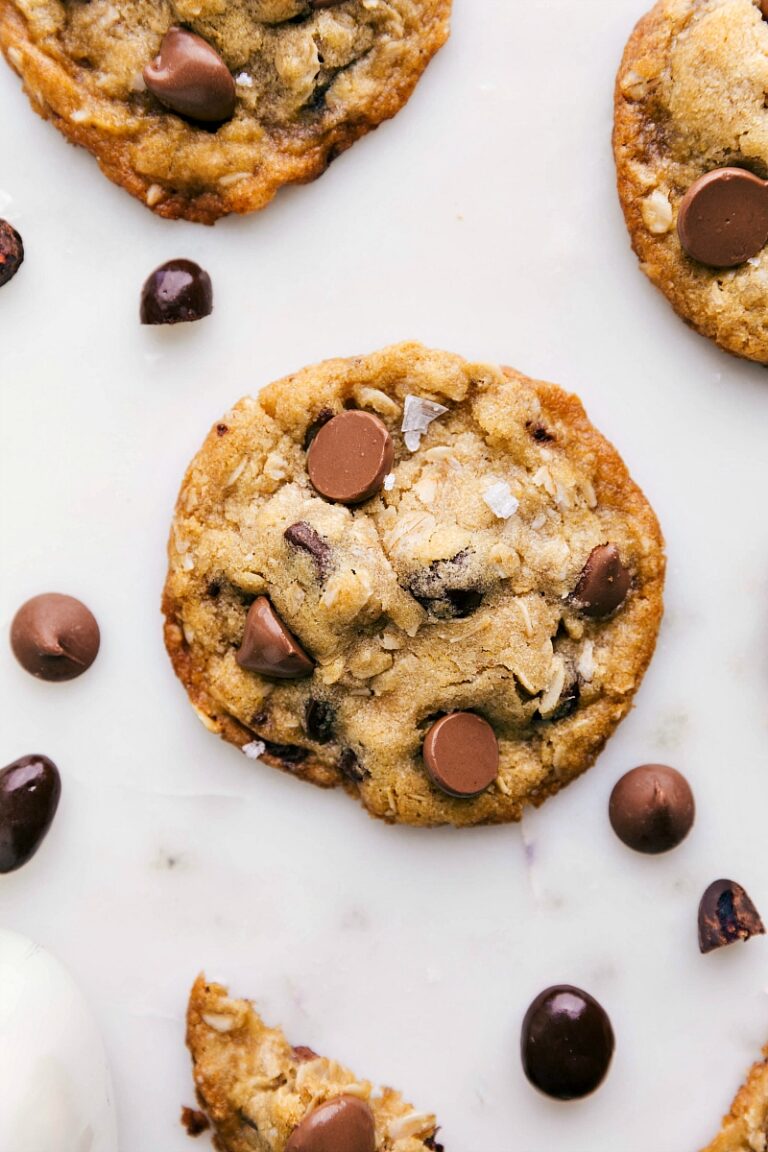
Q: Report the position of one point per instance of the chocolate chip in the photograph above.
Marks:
(349, 457)
(567, 704)
(603, 584)
(461, 754)
(344, 1124)
(726, 914)
(540, 433)
(350, 766)
(269, 648)
(445, 590)
(566, 1043)
(194, 1122)
(304, 536)
(652, 808)
(190, 78)
(222, 429)
(177, 292)
(11, 252)
(723, 217)
(290, 754)
(214, 589)
(301, 1053)
(29, 796)
(431, 1141)
(325, 3)
(319, 719)
(323, 416)
(55, 637)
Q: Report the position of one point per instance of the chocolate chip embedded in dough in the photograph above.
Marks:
(189, 77)
(461, 754)
(603, 584)
(343, 1124)
(350, 456)
(723, 218)
(269, 648)
(304, 536)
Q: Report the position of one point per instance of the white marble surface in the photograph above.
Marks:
(483, 219)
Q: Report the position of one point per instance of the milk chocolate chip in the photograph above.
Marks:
(344, 1124)
(567, 1043)
(55, 637)
(29, 796)
(461, 754)
(11, 252)
(177, 292)
(652, 808)
(723, 217)
(190, 78)
(603, 584)
(269, 648)
(349, 457)
(726, 914)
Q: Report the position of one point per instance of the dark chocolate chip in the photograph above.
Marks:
(461, 754)
(259, 718)
(350, 766)
(222, 429)
(177, 292)
(431, 1141)
(319, 720)
(349, 457)
(652, 808)
(29, 796)
(444, 589)
(288, 753)
(343, 1124)
(189, 77)
(566, 1043)
(323, 416)
(723, 217)
(726, 914)
(55, 637)
(194, 1122)
(304, 536)
(603, 584)
(11, 252)
(567, 704)
(540, 433)
(214, 589)
(268, 647)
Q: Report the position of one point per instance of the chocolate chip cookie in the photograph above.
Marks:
(261, 1093)
(745, 1128)
(203, 108)
(429, 581)
(691, 147)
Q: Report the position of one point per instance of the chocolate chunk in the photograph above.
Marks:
(349, 457)
(290, 754)
(723, 217)
(726, 914)
(445, 589)
(29, 796)
(319, 720)
(269, 648)
(301, 1053)
(350, 766)
(194, 1122)
(344, 1124)
(566, 1043)
(55, 637)
(323, 416)
(176, 293)
(652, 808)
(603, 584)
(11, 252)
(461, 754)
(190, 78)
(303, 535)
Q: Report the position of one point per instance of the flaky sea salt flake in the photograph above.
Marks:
(418, 414)
(255, 749)
(500, 500)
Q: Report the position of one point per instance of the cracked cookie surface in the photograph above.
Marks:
(310, 79)
(453, 589)
(690, 98)
(745, 1128)
(257, 1089)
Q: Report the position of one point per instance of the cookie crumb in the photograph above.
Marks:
(194, 1121)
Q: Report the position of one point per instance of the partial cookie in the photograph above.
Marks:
(429, 581)
(690, 101)
(204, 108)
(745, 1128)
(263, 1095)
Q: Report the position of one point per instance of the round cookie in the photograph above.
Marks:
(507, 567)
(690, 100)
(276, 90)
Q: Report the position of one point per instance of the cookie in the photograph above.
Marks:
(745, 1128)
(201, 109)
(263, 1095)
(691, 151)
(429, 581)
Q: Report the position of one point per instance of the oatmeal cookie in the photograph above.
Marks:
(204, 108)
(263, 1095)
(745, 1128)
(690, 102)
(429, 581)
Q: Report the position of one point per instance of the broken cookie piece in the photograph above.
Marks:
(745, 1128)
(260, 1094)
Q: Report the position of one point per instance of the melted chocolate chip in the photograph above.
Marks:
(726, 914)
(269, 648)
(603, 584)
(652, 808)
(319, 720)
(344, 1124)
(29, 796)
(350, 766)
(189, 77)
(11, 252)
(288, 753)
(55, 637)
(444, 589)
(566, 1043)
(304, 536)
(177, 292)
(323, 416)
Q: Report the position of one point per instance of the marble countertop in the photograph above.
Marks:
(482, 220)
